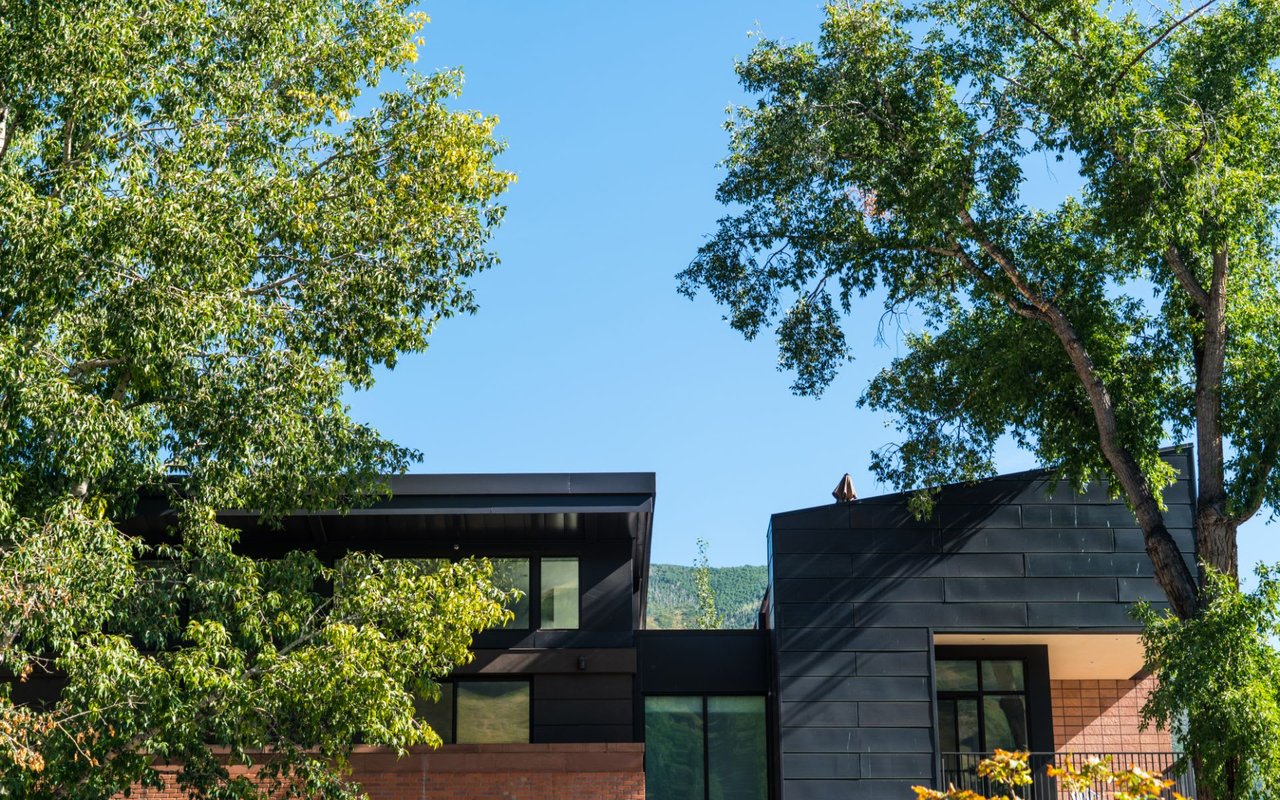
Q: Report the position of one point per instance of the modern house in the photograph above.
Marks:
(890, 651)
(903, 649)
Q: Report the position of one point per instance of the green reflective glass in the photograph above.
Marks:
(493, 712)
(513, 573)
(737, 759)
(438, 713)
(1002, 676)
(673, 731)
(957, 676)
(559, 596)
(968, 738)
(1005, 718)
(948, 736)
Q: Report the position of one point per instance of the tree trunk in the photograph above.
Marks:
(1216, 541)
(1202, 792)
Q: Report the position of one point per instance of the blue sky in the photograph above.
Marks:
(583, 357)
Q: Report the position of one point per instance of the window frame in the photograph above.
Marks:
(453, 698)
(533, 597)
(706, 734)
(1035, 675)
(981, 693)
(577, 563)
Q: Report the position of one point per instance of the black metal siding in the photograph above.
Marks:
(858, 589)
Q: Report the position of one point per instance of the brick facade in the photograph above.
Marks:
(493, 772)
(1103, 716)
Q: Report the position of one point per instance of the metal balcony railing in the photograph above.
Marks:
(961, 770)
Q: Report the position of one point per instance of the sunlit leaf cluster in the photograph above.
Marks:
(211, 230)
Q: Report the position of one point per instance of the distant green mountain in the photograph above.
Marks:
(673, 600)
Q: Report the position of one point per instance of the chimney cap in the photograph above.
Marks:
(844, 491)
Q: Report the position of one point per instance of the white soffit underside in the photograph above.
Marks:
(1072, 656)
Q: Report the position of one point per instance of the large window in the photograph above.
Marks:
(480, 712)
(705, 748)
(982, 705)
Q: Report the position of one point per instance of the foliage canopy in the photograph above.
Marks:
(1220, 686)
(202, 250)
(896, 155)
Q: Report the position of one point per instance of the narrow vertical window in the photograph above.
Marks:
(673, 748)
(559, 596)
(737, 756)
(439, 713)
(513, 573)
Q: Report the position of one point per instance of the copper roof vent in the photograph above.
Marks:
(844, 491)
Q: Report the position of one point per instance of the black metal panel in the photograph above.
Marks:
(943, 615)
(829, 766)
(834, 590)
(846, 688)
(857, 597)
(848, 789)
(702, 662)
(856, 740)
(1079, 615)
(853, 639)
(555, 734)
(1076, 540)
(831, 714)
(977, 590)
(961, 565)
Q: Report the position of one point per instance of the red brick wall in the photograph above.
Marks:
(1103, 716)
(493, 772)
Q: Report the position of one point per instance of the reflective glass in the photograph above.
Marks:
(493, 711)
(513, 573)
(439, 713)
(968, 739)
(948, 738)
(737, 757)
(1002, 676)
(957, 676)
(559, 596)
(1006, 722)
(673, 766)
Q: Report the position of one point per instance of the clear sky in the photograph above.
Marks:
(583, 357)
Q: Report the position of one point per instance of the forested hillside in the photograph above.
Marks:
(673, 598)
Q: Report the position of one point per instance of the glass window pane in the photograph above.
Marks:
(948, 737)
(1006, 722)
(513, 573)
(957, 676)
(967, 731)
(559, 598)
(673, 768)
(736, 753)
(438, 714)
(1002, 676)
(493, 711)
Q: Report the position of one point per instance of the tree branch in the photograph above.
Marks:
(1022, 15)
(6, 130)
(276, 284)
(1180, 270)
(1115, 82)
(75, 370)
(1171, 571)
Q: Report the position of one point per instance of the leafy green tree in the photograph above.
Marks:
(1220, 685)
(708, 617)
(893, 156)
(202, 249)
